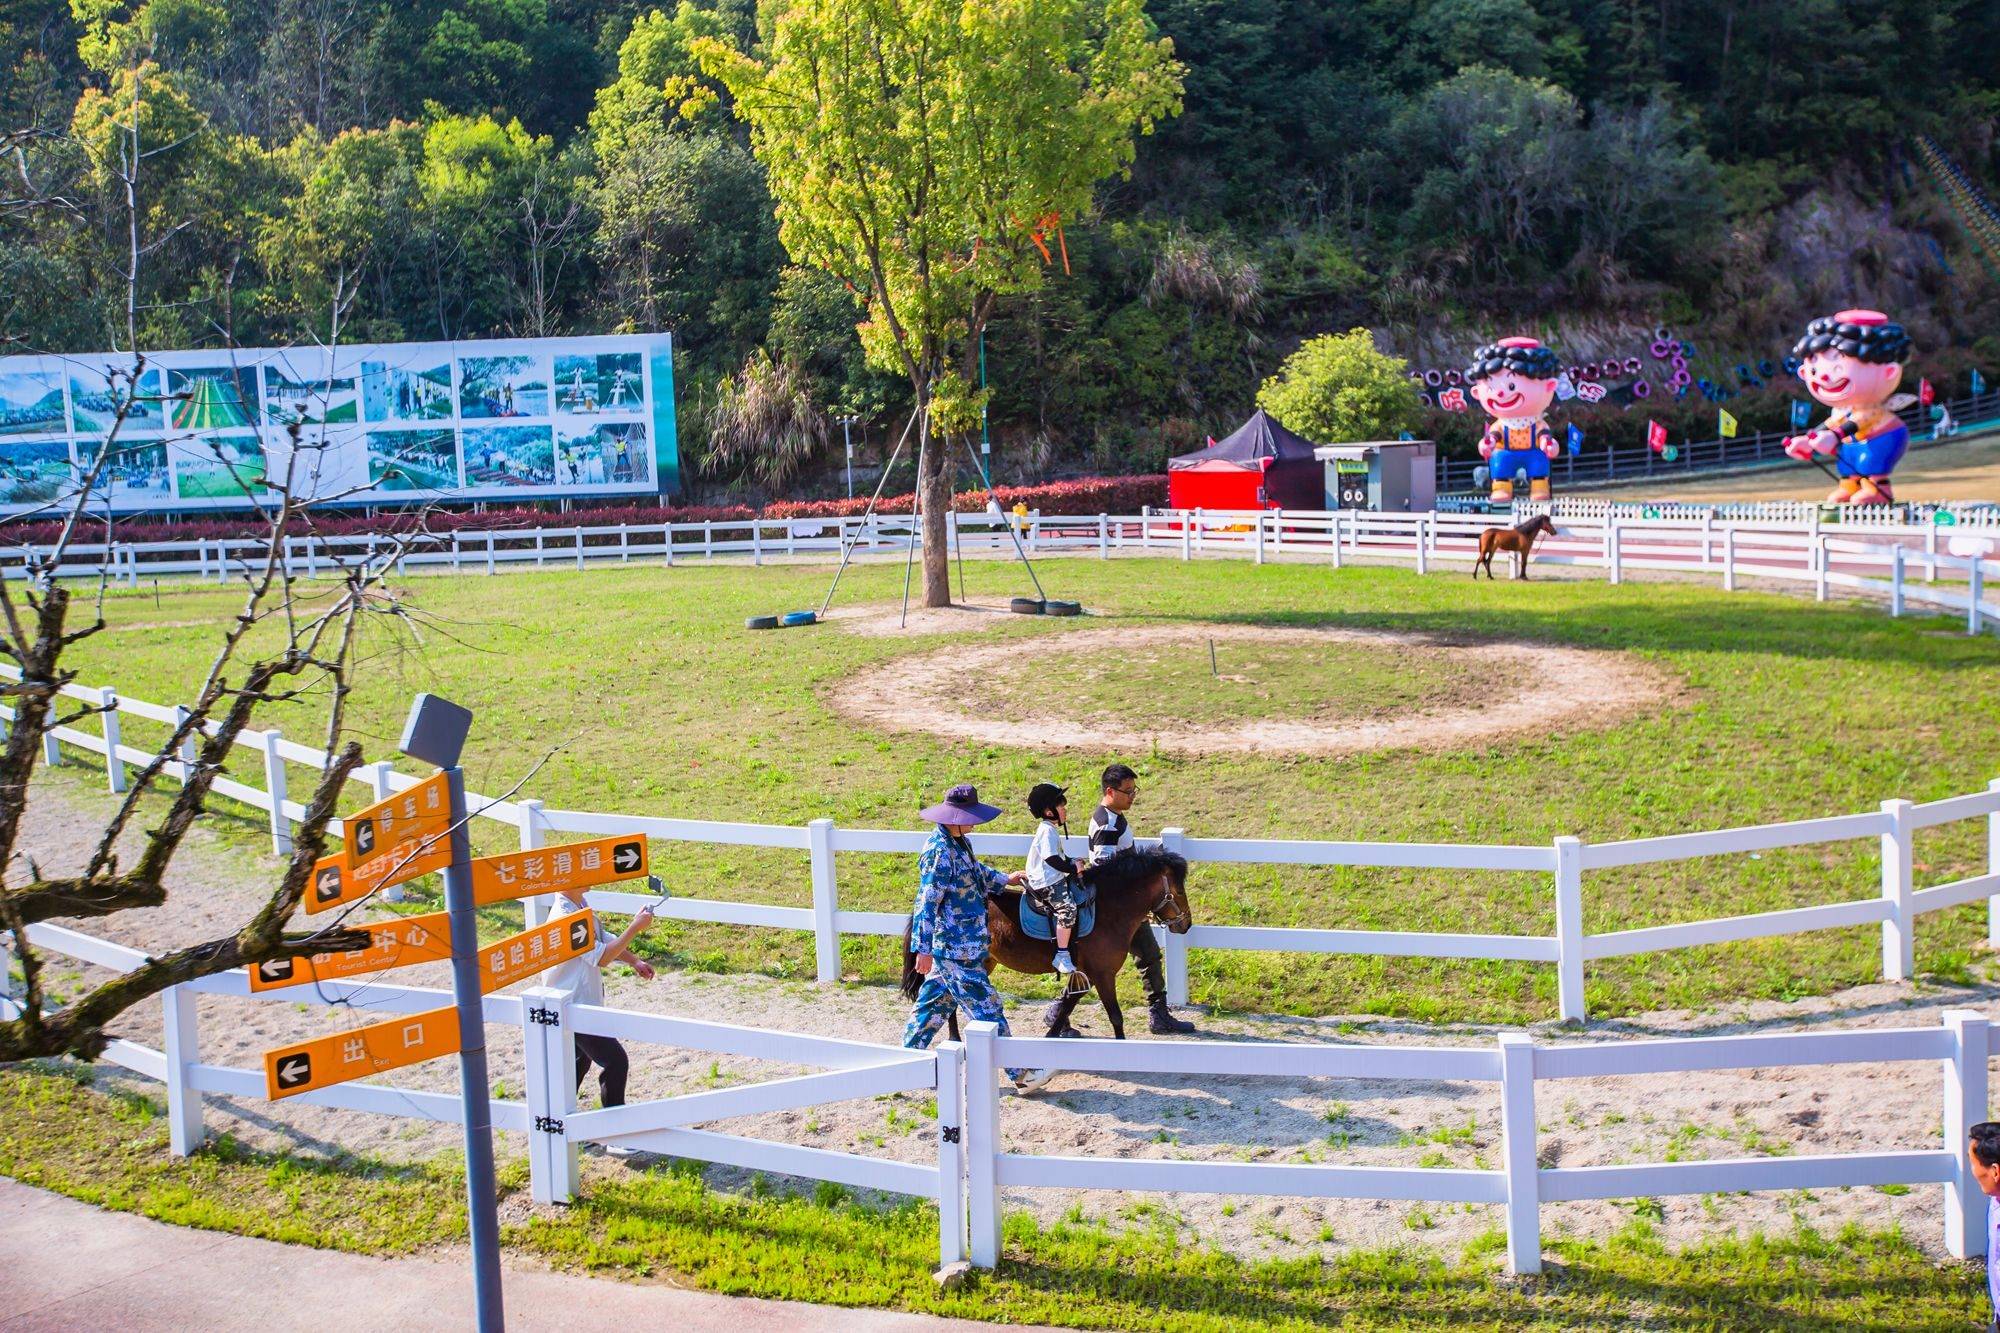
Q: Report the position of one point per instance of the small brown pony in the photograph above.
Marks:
(1520, 539)
(1132, 886)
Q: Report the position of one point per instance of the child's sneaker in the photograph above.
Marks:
(1064, 966)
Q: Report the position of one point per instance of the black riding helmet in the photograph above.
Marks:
(1044, 798)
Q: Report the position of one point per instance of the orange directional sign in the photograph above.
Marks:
(396, 1042)
(334, 881)
(402, 836)
(402, 942)
(407, 1039)
(547, 945)
(573, 865)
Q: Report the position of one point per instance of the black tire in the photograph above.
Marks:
(1027, 606)
(1055, 608)
(792, 618)
(761, 622)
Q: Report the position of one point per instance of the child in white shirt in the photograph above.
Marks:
(1050, 889)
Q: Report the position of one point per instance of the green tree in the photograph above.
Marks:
(1339, 388)
(915, 149)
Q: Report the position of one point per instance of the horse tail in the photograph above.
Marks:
(913, 980)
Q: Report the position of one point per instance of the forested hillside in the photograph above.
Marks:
(1436, 170)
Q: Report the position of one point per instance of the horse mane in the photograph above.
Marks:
(1135, 867)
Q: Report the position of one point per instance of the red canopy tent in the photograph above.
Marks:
(1259, 466)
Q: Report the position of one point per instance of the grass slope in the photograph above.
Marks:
(111, 1150)
(655, 701)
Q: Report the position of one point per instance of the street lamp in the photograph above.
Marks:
(845, 423)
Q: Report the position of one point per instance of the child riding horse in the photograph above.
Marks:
(1134, 885)
(1520, 539)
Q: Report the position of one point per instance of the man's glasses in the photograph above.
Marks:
(1132, 790)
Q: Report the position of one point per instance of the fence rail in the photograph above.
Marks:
(971, 1165)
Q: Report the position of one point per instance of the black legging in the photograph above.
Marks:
(609, 1056)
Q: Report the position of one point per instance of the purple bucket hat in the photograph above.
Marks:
(961, 805)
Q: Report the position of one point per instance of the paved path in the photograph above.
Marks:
(65, 1265)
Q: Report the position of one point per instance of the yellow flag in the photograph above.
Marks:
(1727, 423)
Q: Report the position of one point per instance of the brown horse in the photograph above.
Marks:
(1520, 539)
(1134, 885)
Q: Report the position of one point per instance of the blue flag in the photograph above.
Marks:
(1575, 438)
(1801, 414)
(1978, 382)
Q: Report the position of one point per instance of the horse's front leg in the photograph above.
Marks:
(1107, 991)
(951, 1022)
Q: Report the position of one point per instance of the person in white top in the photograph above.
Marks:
(1052, 890)
(583, 977)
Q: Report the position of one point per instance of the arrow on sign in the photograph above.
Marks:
(579, 934)
(295, 1071)
(628, 857)
(275, 969)
(364, 836)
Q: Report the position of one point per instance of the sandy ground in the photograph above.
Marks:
(891, 619)
(921, 693)
(1951, 470)
(1680, 1117)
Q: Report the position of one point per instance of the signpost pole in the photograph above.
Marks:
(435, 733)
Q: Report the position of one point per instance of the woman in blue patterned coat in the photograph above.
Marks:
(948, 928)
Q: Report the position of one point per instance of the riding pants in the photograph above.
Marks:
(953, 983)
(1056, 901)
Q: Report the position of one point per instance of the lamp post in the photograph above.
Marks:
(845, 423)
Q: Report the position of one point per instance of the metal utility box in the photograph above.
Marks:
(1388, 476)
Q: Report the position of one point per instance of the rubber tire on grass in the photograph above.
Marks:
(761, 622)
(794, 618)
(1027, 606)
(1055, 608)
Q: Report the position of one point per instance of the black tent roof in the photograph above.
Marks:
(1258, 438)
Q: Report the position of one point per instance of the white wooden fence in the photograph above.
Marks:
(1908, 564)
(1565, 861)
(971, 1166)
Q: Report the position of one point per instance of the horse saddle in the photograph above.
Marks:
(1037, 925)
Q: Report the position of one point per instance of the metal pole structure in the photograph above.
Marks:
(985, 448)
(435, 734)
(847, 437)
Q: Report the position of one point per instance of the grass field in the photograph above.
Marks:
(655, 701)
(1150, 1273)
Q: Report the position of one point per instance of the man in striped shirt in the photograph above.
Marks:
(1110, 833)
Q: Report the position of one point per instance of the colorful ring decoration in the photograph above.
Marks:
(1641, 389)
(1661, 349)
(1791, 365)
(1663, 334)
(1434, 378)
(1681, 380)
(1454, 377)
(1631, 365)
(1766, 369)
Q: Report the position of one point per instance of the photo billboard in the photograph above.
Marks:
(521, 419)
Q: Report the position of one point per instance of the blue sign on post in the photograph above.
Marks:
(1801, 414)
(1575, 436)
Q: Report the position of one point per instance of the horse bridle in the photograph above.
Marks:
(1166, 900)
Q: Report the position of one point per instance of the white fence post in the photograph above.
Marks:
(274, 785)
(51, 747)
(489, 553)
(1993, 868)
(951, 1151)
(1729, 559)
(1612, 553)
(1707, 538)
(1260, 537)
(1187, 537)
(182, 1046)
(1423, 549)
(1569, 928)
(1517, 1147)
(982, 1134)
(1336, 539)
(534, 909)
(114, 765)
(1104, 536)
(1930, 553)
(185, 765)
(1820, 559)
(1175, 950)
(550, 1050)
(1896, 579)
(826, 900)
(1965, 1095)
(1975, 588)
(1899, 929)
(579, 548)
(756, 542)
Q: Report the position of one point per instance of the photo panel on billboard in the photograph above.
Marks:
(298, 391)
(602, 453)
(494, 387)
(605, 383)
(221, 466)
(34, 472)
(136, 472)
(406, 385)
(413, 460)
(506, 458)
(97, 389)
(208, 398)
(31, 401)
(316, 461)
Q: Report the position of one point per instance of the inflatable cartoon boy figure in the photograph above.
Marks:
(1515, 381)
(1852, 362)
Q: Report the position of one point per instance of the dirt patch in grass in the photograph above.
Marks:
(888, 620)
(1422, 691)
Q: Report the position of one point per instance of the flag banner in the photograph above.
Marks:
(1564, 389)
(1925, 393)
(1656, 435)
(1725, 423)
(1978, 382)
(1801, 414)
(1575, 438)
